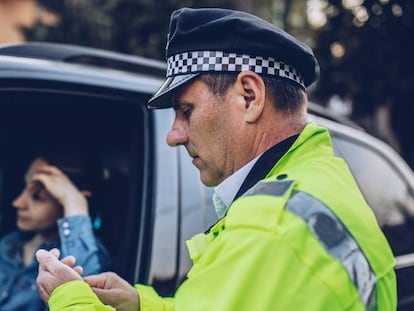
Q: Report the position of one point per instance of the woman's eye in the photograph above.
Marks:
(36, 191)
(36, 196)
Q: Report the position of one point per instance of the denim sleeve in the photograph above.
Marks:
(77, 239)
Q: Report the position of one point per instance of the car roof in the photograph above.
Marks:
(84, 55)
(369, 141)
(73, 64)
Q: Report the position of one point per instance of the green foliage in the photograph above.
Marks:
(129, 26)
(378, 65)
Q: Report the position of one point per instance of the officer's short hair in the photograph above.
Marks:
(286, 95)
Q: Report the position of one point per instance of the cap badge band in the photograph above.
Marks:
(207, 61)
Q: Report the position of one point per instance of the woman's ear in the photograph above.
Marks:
(251, 87)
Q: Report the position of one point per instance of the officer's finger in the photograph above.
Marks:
(55, 252)
(47, 260)
(97, 280)
(69, 261)
(78, 269)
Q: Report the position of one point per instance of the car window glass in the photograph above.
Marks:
(391, 198)
(164, 248)
(111, 127)
(384, 189)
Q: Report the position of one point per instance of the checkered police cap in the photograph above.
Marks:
(207, 61)
(220, 40)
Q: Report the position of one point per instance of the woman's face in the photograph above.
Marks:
(37, 210)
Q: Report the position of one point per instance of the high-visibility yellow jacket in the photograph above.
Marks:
(301, 239)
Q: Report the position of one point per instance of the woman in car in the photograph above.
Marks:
(52, 212)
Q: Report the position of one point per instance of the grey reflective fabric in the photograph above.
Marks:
(339, 243)
(330, 232)
(275, 188)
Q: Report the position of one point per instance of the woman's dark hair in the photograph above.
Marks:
(80, 165)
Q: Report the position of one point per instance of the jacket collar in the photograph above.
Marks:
(265, 163)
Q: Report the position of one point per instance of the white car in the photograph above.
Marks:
(154, 198)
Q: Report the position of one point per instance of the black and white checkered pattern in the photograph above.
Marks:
(204, 61)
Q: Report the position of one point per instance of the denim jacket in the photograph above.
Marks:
(18, 289)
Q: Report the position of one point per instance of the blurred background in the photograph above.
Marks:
(364, 47)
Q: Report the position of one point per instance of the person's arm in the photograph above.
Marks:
(150, 300)
(62, 288)
(76, 295)
(75, 229)
(113, 290)
(77, 239)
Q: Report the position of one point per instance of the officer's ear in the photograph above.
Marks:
(251, 90)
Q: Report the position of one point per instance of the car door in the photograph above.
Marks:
(183, 208)
(114, 126)
(387, 184)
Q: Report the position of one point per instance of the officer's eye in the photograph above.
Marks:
(186, 112)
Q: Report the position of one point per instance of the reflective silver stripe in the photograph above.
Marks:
(330, 232)
(275, 188)
(339, 243)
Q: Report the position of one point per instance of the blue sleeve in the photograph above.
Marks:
(77, 239)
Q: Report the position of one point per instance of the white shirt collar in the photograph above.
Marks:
(226, 191)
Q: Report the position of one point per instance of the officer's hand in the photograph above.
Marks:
(114, 291)
(53, 272)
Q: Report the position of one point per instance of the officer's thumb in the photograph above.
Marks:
(47, 260)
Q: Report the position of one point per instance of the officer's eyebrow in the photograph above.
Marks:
(177, 104)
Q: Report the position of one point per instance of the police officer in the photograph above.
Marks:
(294, 232)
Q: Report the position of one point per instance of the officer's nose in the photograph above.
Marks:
(177, 135)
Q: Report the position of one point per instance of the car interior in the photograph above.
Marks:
(110, 126)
